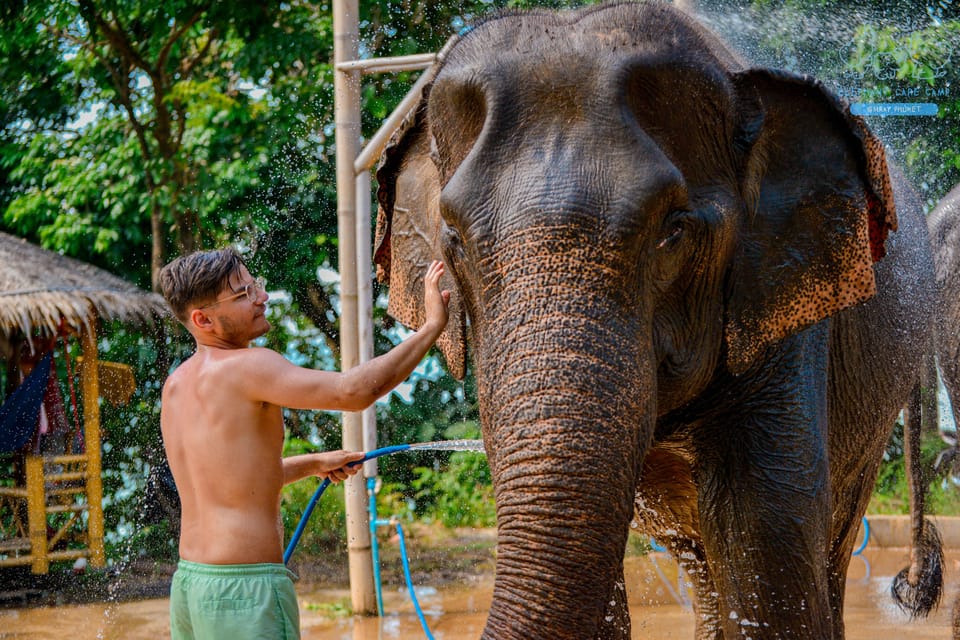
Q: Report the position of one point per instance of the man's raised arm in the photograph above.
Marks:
(275, 380)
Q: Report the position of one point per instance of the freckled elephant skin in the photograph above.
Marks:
(666, 265)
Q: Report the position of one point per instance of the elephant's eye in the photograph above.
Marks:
(674, 234)
(673, 248)
(452, 237)
(674, 229)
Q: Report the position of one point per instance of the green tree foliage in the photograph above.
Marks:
(194, 129)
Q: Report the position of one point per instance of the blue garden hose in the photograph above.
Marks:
(866, 537)
(406, 575)
(392, 522)
(374, 544)
(376, 453)
(445, 445)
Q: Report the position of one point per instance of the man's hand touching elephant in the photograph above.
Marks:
(435, 299)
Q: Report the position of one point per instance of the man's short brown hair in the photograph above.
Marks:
(197, 278)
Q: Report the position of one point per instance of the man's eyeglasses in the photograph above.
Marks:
(251, 290)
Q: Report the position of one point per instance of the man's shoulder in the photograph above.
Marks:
(218, 355)
(255, 362)
(263, 354)
(179, 372)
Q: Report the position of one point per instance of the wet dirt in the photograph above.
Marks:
(457, 610)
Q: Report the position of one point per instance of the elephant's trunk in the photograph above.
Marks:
(567, 384)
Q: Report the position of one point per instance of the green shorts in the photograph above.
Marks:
(233, 602)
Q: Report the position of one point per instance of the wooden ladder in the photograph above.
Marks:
(66, 487)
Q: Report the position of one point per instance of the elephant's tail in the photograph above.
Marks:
(918, 587)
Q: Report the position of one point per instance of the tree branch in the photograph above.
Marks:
(116, 38)
(176, 34)
(314, 303)
(187, 65)
(122, 85)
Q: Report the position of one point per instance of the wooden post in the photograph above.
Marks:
(90, 383)
(37, 514)
(346, 87)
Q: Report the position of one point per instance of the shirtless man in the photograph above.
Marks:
(223, 434)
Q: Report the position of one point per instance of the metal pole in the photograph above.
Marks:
(397, 63)
(347, 125)
(365, 309)
(375, 145)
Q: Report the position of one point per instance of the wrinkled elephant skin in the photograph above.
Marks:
(670, 270)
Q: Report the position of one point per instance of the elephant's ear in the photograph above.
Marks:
(408, 234)
(820, 206)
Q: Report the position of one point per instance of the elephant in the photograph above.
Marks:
(689, 300)
(944, 227)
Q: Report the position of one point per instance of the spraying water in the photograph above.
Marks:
(449, 445)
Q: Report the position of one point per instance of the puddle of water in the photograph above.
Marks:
(134, 620)
(459, 611)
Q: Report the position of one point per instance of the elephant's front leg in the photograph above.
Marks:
(765, 519)
(765, 505)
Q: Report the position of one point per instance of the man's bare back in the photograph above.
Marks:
(225, 451)
(222, 423)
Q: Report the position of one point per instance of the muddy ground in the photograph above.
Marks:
(436, 556)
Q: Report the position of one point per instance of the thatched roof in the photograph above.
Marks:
(39, 287)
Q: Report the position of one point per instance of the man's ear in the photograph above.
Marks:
(200, 320)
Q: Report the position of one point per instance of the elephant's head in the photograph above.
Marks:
(625, 210)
